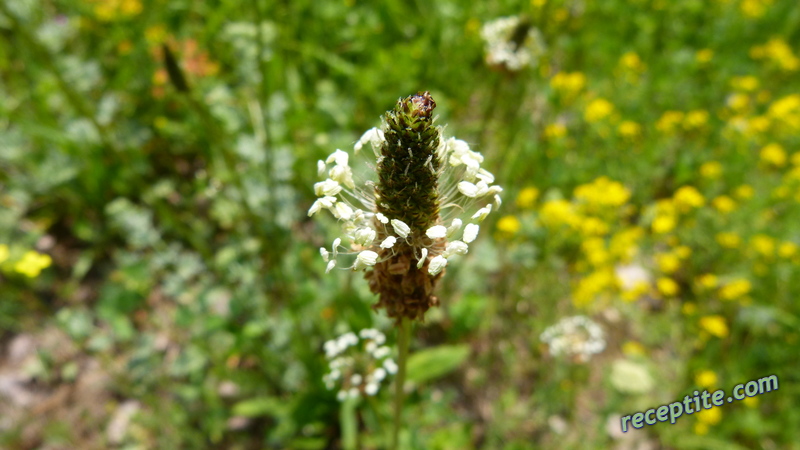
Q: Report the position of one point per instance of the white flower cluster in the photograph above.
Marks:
(358, 363)
(502, 50)
(575, 336)
(350, 196)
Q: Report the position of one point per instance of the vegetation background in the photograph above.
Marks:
(160, 284)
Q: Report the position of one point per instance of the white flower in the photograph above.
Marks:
(437, 264)
(321, 168)
(436, 232)
(374, 136)
(454, 227)
(364, 259)
(468, 189)
(401, 228)
(575, 336)
(390, 366)
(324, 202)
(330, 266)
(342, 211)
(324, 253)
(422, 258)
(388, 242)
(483, 212)
(630, 377)
(470, 232)
(382, 218)
(365, 236)
(328, 187)
(371, 389)
(506, 47)
(455, 248)
(339, 157)
(357, 365)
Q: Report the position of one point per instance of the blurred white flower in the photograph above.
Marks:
(577, 337)
(358, 363)
(512, 43)
(630, 377)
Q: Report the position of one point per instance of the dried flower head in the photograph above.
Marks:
(577, 337)
(358, 363)
(403, 203)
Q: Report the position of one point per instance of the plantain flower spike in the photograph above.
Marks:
(403, 205)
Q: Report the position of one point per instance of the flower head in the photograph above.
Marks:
(577, 336)
(512, 43)
(401, 199)
(358, 363)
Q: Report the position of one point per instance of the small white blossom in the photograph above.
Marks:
(437, 264)
(327, 188)
(342, 211)
(381, 352)
(575, 336)
(356, 379)
(364, 259)
(455, 248)
(436, 232)
(335, 249)
(388, 242)
(470, 232)
(357, 367)
(454, 227)
(390, 366)
(381, 218)
(422, 258)
(339, 157)
(374, 136)
(324, 253)
(483, 212)
(321, 168)
(330, 266)
(344, 175)
(468, 189)
(379, 374)
(365, 236)
(371, 389)
(324, 202)
(401, 228)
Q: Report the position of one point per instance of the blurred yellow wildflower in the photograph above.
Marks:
(711, 416)
(744, 191)
(32, 263)
(155, 34)
(703, 56)
(683, 252)
(595, 251)
(750, 402)
(558, 212)
(664, 223)
(763, 245)
(629, 129)
(715, 325)
(695, 119)
(527, 197)
(700, 429)
(735, 289)
(667, 286)
(729, 239)
(724, 204)
(668, 262)
(669, 121)
(509, 224)
(711, 169)
(598, 109)
(603, 192)
(747, 83)
(593, 226)
(689, 308)
(632, 62)
(687, 198)
(777, 51)
(759, 124)
(109, 10)
(738, 102)
(786, 111)
(708, 280)
(555, 130)
(774, 155)
(3, 253)
(623, 244)
(706, 379)
(785, 250)
(589, 287)
(632, 348)
(568, 83)
(754, 8)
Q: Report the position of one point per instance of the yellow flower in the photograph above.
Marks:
(683, 252)
(624, 243)
(695, 119)
(689, 308)
(592, 285)
(778, 52)
(786, 250)
(703, 56)
(744, 191)
(569, 83)
(668, 262)
(735, 289)
(796, 158)
(711, 416)
(688, 197)
(595, 250)
(598, 109)
(669, 121)
(631, 62)
(706, 379)
(527, 197)
(3, 253)
(774, 155)
(155, 34)
(750, 402)
(558, 212)
(667, 286)
(711, 169)
(629, 129)
(763, 244)
(603, 192)
(700, 429)
(724, 204)
(555, 131)
(746, 83)
(633, 348)
(754, 8)
(32, 263)
(729, 239)
(715, 325)
(593, 226)
(664, 224)
(738, 102)
(759, 124)
(708, 280)
(509, 224)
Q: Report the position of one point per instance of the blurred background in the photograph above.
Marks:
(160, 281)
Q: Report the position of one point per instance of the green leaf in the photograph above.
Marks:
(261, 406)
(435, 362)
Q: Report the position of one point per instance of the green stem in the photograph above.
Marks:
(403, 339)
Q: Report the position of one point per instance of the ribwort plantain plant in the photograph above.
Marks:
(402, 207)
